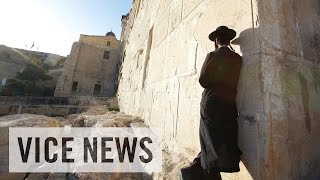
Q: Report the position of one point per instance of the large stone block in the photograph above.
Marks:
(161, 27)
(188, 6)
(163, 5)
(155, 66)
(175, 14)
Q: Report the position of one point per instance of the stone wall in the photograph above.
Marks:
(87, 66)
(278, 93)
(289, 40)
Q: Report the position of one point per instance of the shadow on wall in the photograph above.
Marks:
(249, 94)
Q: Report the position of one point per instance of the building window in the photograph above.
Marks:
(74, 86)
(97, 89)
(108, 43)
(106, 55)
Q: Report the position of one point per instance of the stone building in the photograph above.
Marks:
(278, 99)
(91, 68)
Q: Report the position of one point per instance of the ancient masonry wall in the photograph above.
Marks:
(278, 93)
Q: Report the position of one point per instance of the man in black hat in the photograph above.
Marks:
(218, 124)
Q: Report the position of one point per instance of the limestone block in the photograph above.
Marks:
(145, 104)
(162, 7)
(159, 108)
(288, 30)
(155, 70)
(181, 53)
(270, 33)
(161, 27)
(189, 112)
(188, 6)
(175, 53)
(249, 86)
(109, 119)
(270, 74)
(291, 27)
(171, 97)
(175, 14)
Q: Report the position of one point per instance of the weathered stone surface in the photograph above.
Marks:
(109, 119)
(23, 120)
(278, 92)
(171, 95)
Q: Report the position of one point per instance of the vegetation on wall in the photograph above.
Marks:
(29, 81)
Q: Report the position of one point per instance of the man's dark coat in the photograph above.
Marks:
(218, 124)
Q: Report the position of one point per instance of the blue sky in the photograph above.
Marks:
(53, 25)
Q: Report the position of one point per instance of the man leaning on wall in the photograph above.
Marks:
(218, 123)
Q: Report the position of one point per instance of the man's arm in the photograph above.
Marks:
(212, 72)
(207, 66)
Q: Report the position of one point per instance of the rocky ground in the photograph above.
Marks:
(97, 116)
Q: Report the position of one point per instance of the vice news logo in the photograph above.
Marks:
(85, 150)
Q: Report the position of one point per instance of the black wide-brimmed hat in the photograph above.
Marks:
(224, 32)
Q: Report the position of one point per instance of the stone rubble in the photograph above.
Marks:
(97, 116)
(20, 120)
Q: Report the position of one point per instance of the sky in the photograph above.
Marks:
(53, 25)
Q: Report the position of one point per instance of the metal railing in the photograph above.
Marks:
(74, 100)
(53, 106)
